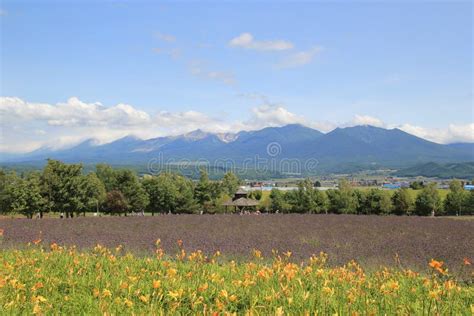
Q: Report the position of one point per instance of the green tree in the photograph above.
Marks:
(25, 196)
(115, 203)
(293, 201)
(417, 185)
(428, 201)
(185, 201)
(378, 202)
(264, 205)
(162, 193)
(127, 182)
(361, 197)
(256, 194)
(170, 193)
(62, 186)
(93, 192)
(455, 201)
(202, 191)
(5, 200)
(108, 176)
(230, 183)
(320, 202)
(132, 189)
(403, 202)
(343, 200)
(469, 203)
(278, 202)
(309, 199)
(216, 190)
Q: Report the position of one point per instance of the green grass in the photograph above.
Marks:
(104, 282)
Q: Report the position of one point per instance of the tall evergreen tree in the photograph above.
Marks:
(230, 183)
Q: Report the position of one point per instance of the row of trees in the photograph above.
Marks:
(66, 189)
(58, 187)
(347, 200)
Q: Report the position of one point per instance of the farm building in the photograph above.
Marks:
(241, 202)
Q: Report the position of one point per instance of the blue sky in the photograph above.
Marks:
(229, 66)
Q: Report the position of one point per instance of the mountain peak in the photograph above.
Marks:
(293, 125)
(130, 138)
(365, 127)
(196, 134)
(227, 137)
(357, 144)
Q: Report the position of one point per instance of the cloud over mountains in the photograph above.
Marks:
(27, 125)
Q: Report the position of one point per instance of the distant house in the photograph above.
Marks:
(469, 187)
(240, 202)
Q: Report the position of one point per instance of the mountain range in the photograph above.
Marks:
(358, 147)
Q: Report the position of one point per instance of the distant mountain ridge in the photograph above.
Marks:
(461, 170)
(362, 146)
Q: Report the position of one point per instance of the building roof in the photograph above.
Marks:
(241, 191)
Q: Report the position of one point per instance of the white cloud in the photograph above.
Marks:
(165, 37)
(452, 134)
(300, 58)
(72, 113)
(277, 115)
(198, 69)
(247, 41)
(366, 120)
(272, 115)
(27, 126)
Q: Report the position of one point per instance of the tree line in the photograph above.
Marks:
(64, 188)
(347, 200)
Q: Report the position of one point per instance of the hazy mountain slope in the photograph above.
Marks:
(368, 144)
(463, 170)
(356, 147)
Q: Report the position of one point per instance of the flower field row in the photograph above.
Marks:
(64, 280)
